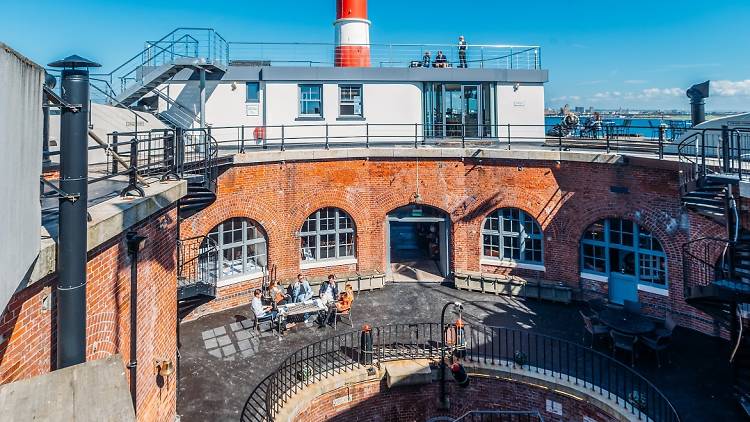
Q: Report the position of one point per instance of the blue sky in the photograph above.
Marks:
(629, 54)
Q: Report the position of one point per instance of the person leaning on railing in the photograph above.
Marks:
(462, 46)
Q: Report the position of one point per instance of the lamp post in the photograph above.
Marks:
(444, 403)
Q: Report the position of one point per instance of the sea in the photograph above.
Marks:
(644, 127)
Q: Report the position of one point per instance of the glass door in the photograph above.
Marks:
(471, 111)
(453, 110)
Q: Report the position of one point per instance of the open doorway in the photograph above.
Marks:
(417, 244)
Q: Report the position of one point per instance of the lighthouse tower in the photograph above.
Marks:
(352, 34)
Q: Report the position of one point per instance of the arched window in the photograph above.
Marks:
(242, 247)
(327, 234)
(624, 247)
(512, 235)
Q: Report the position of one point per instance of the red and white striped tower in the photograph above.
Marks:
(352, 34)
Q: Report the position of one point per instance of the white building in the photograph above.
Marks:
(385, 104)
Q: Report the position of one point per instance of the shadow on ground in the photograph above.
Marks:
(222, 360)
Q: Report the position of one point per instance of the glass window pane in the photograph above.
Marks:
(595, 231)
(253, 92)
(308, 248)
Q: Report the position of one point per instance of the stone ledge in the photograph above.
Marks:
(258, 157)
(90, 392)
(109, 219)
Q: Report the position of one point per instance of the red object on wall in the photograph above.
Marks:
(351, 9)
(259, 133)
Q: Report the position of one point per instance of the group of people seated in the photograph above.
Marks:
(299, 291)
(441, 61)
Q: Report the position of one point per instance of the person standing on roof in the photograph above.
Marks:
(462, 46)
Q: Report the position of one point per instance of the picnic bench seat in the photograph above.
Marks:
(501, 284)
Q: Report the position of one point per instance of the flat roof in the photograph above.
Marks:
(369, 74)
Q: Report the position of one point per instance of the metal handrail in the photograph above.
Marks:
(501, 346)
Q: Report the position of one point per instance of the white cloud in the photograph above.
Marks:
(660, 92)
(566, 98)
(731, 88)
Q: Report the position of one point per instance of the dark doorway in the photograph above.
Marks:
(418, 244)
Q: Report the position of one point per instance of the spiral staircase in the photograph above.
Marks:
(717, 269)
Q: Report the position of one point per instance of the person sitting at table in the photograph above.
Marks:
(426, 59)
(277, 293)
(440, 60)
(300, 290)
(261, 312)
(328, 294)
(343, 304)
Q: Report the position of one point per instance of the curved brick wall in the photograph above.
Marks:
(564, 196)
(374, 401)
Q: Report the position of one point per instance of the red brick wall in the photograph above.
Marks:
(565, 198)
(28, 329)
(373, 401)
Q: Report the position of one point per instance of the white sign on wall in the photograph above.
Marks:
(252, 109)
(519, 104)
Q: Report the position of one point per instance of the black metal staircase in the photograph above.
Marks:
(197, 273)
(717, 270)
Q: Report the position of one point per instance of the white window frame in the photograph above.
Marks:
(260, 259)
(641, 254)
(305, 251)
(353, 103)
(302, 100)
(522, 235)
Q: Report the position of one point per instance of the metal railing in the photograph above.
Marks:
(717, 150)
(615, 139)
(197, 266)
(385, 55)
(500, 416)
(181, 43)
(707, 260)
(528, 352)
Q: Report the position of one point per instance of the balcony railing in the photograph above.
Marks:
(385, 55)
(556, 359)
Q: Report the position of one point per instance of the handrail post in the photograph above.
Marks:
(114, 150)
(662, 129)
(703, 153)
(508, 136)
(609, 132)
(367, 135)
(416, 135)
(327, 147)
(242, 139)
(282, 137)
(463, 135)
(726, 155)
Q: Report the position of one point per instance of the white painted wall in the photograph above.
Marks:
(20, 166)
(390, 109)
(522, 106)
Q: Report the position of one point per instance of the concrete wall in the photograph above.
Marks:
(21, 84)
(521, 106)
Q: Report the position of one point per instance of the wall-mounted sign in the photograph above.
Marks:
(252, 109)
(519, 104)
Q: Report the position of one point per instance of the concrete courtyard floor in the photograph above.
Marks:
(222, 360)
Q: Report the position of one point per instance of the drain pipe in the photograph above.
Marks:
(71, 258)
(697, 93)
(135, 243)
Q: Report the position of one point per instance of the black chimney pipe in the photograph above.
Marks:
(697, 93)
(71, 257)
